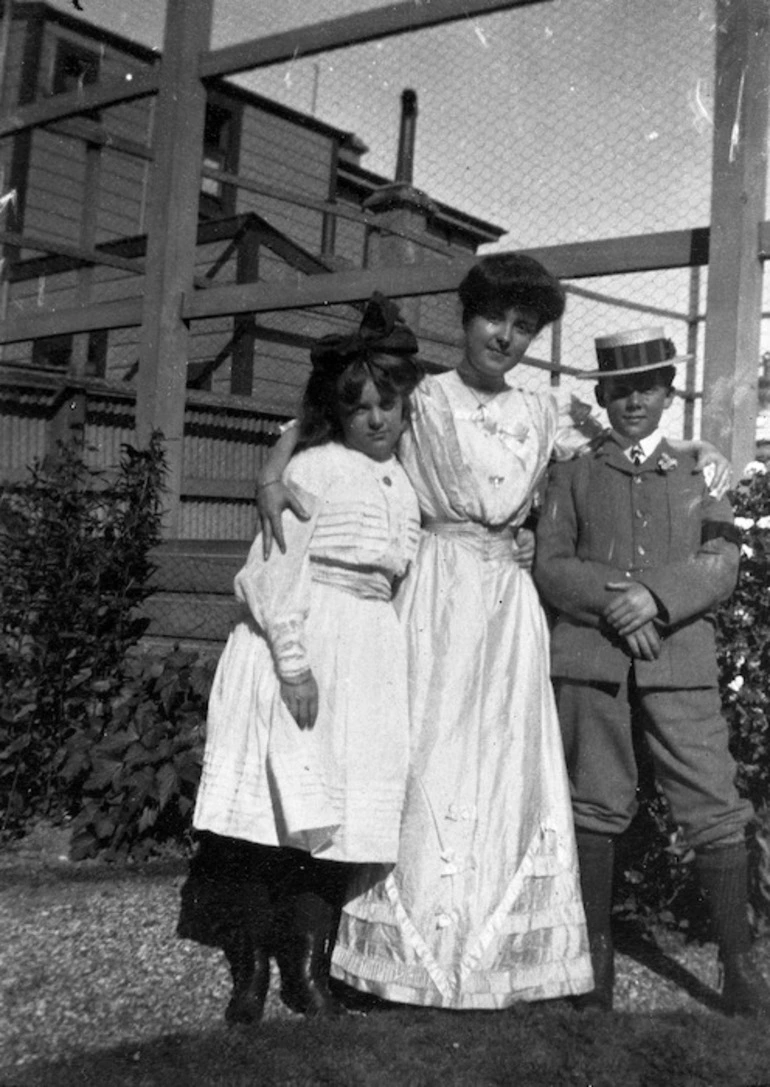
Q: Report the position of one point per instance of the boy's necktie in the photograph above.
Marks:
(637, 455)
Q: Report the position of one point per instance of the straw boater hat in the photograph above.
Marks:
(634, 352)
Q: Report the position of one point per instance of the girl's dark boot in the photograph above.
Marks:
(304, 955)
(250, 969)
(596, 856)
(227, 903)
(723, 874)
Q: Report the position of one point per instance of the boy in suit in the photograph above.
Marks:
(633, 554)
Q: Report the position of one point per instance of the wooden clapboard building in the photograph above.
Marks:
(282, 196)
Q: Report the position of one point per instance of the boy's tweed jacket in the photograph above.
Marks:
(606, 520)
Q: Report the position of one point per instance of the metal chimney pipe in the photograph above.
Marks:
(406, 136)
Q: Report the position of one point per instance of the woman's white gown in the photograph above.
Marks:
(483, 906)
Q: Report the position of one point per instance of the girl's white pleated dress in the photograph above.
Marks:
(337, 790)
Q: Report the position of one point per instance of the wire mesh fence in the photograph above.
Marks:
(559, 122)
(548, 124)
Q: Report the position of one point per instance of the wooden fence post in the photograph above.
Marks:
(734, 301)
(172, 228)
(87, 238)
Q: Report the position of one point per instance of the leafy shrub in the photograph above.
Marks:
(744, 642)
(136, 763)
(74, 567)
(653, 884)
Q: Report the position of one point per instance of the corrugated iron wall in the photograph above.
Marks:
(224, 446)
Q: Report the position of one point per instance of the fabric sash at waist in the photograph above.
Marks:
(367, 582)
(492, 543)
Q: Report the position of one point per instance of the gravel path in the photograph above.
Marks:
(90, 960)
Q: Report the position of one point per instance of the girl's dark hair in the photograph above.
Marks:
(502, 280)
(331, 392)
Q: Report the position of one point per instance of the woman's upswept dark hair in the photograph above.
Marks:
(502, 280)
(382, 350)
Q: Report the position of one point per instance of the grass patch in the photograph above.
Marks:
(532, 1046)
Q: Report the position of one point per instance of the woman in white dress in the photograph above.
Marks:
(483, 906)
(307, 733)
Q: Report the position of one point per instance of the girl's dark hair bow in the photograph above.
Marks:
(382, 331)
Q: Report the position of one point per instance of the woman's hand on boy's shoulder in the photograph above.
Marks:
(714, 466)
(716, 470)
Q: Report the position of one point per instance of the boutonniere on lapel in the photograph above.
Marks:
(666, 463)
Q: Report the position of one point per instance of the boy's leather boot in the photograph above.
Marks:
(724, 883)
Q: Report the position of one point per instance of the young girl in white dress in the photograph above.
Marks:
(307, 736)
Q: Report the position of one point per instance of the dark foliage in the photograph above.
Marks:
(136, 763)
(74, 568)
